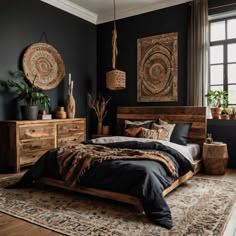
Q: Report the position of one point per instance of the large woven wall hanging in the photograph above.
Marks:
(43, 65)
(157, 68)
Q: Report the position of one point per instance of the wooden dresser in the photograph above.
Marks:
(23, 142)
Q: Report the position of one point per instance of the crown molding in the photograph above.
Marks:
(74, 9)
(137, 11)
(94, 18)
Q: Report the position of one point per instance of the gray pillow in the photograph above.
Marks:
(180, 133)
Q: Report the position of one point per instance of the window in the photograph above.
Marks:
(222, 61)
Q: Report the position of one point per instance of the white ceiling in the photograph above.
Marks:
(100, 11)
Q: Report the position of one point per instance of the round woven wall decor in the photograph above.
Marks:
(43, 65)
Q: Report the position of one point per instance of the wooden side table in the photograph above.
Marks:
(215, 158)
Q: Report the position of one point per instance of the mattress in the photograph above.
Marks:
(191, 151)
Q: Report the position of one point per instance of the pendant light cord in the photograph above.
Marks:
(114, 39)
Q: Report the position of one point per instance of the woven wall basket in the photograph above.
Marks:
(116, 79)
(43, 65)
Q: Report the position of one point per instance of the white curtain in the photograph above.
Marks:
(198, 43)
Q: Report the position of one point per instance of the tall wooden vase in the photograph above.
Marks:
(99, 131)
(70, 102)
(71, 106)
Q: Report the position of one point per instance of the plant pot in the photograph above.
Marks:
(215, 112)
(29, 112)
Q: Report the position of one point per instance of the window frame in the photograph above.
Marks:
(225, 64)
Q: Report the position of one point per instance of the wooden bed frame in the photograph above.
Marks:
(177, 114)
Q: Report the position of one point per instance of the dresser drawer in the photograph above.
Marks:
(71, 140)
(70, 129)
(36, 144)
(36, 131)
(29, 158)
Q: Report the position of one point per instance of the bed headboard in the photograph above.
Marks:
(171, 114)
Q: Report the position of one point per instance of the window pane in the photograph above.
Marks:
(232, 94)
(232, 73)
(216, 54)
(217, 75)
(231, 32)
(216, 88)
(217, 31)
(232, 52)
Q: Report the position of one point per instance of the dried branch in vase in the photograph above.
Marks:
(98, 105)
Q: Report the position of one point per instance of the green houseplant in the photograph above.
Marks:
(218, 101)
(31, 95)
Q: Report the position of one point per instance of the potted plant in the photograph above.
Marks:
(31, 95)
(217, 99)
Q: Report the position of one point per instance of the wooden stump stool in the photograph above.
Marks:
(215, 158)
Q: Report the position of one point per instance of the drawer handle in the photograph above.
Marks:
(36, 135)
(32, 146)
(72, 130)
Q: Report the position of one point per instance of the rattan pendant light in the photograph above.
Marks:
(115, 79)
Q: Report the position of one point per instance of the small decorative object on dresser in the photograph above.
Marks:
(61, 114)
(71, 100)
(43, 115)
(215, 158)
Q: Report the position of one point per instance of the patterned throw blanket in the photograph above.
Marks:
(74, 160)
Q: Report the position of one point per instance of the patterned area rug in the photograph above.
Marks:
(199, 207)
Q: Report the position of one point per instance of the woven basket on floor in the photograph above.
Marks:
(116, 79)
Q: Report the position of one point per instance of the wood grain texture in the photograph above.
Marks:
(23, 142)
(215, 158)
(177, 114)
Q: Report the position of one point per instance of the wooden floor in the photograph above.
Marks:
(12, 226)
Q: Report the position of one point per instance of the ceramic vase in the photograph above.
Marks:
(99, 130)
(61, 114)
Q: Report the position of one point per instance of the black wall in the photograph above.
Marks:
(86, 50)
(21, 24)
(172, 19)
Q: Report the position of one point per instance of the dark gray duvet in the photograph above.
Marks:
(145, 179)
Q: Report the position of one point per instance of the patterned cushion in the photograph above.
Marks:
(164, 131)
(132, 132)
(148, 133)
(180, 132)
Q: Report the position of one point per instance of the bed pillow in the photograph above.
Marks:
(164, 131)
(180, 133)
(148, 133)
(162, 122)
(136, 124)
(132, 132)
